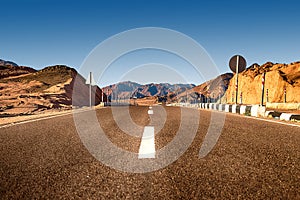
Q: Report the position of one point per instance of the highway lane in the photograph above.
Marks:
(252, 159)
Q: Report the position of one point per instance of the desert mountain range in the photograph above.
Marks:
(279, 79)
(24, 90)
(128, 89)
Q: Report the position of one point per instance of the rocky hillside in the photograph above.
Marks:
(277, 78)
(7, 63)
(49, 88)
(210, 91)
(9, 69)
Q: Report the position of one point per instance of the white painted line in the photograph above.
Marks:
(147, 148)
(150, 107)
(150, 112)
(46, 117)
(272, 121)
(34, 120)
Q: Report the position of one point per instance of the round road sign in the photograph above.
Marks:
(241, 63)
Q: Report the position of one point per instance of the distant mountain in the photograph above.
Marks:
(161, 89)
(49, 88)
(122, 90)
(127, 90)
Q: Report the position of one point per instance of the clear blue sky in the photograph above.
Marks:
(40, 33)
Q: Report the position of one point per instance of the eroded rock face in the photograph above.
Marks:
(209, 91)
(277, 78)
(24, 90)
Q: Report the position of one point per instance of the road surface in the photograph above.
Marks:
(252, 159)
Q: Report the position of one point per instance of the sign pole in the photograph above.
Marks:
(176, 89)
(237, 81)
(186, 97)
(111, 96)
(219, 96)
(107, 97)
(263, 88)
(284, 94)
(90, 87)
(201, 100)
(237, 64)
(241, 97)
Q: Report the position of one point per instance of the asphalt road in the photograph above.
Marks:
(252, 159)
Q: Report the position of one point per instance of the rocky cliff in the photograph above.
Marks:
(209, 91)
(278, 79)
(24, 90)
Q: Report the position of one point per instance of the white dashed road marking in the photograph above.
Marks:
(147, 148)
(150, 112)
